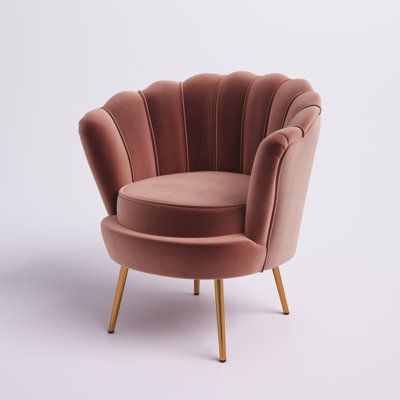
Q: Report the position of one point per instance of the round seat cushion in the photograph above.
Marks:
(189, 204)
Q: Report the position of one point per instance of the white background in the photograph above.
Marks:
(341, 340)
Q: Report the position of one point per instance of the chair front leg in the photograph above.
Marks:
(196, 290)
(219, 302)
(123, 272)
(281, 290)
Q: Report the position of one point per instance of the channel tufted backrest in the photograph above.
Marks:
(208, 122)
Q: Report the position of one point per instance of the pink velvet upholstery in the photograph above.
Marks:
(253, 137)
(189, 204)
(193, 258)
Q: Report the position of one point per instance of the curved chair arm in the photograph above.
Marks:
(106, 154)
(277, 190)
(118, 143)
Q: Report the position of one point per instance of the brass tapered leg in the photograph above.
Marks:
(123, 272)
(281, 290)
(219, 302)
(196, 287)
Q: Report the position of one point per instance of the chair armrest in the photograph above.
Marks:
(277, 191)
(106, 155)
(118, 144)
(264, 180)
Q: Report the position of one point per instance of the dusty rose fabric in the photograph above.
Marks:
(200, 95)
(264, 181)
(230, 105)
(291, 194)
(107, 156)
(130, 117)
(194, 258)
(190, 204)
(255, 118)
(167, 122)
(263, 126)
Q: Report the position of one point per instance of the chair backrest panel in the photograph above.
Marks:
(301, 102)
(230, 103)
(255, 116)
(167, 121)
(208, 122)
(129, 114)
(200, 94)
(284, 97)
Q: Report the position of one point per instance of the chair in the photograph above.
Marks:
(204, 179)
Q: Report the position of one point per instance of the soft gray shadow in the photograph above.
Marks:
(67, 290)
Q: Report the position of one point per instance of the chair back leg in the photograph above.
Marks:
(123, 272)
(281, 290)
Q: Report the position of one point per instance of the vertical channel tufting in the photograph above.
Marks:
(229, 110)
(258, 103)
(164, 102)
(244, 109)
(184, 125)
(151, 132)
(129, 115)
(307, 99)
(199, 94)
(283, 98)
(208, 122)
(305, 118)
(215, 128)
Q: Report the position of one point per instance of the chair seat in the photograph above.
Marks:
(190, 204)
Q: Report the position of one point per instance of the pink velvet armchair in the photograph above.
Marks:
(204, 179)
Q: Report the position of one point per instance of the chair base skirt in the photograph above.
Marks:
(216, 257)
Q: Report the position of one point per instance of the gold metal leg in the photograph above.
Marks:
(219, 302)
(281, 290)
(123, 272)
(196, 286)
